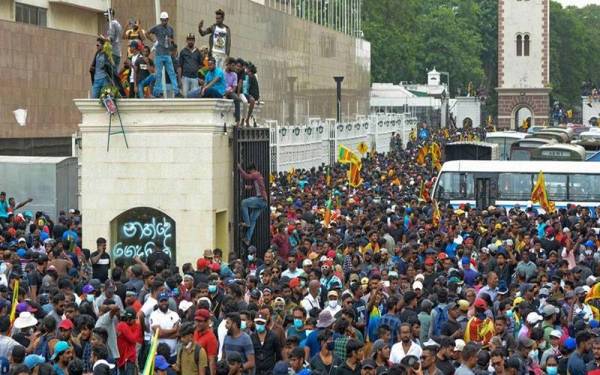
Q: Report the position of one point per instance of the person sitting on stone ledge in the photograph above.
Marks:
(213, 85)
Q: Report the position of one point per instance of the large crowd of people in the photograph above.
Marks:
(376, 287)
(191, 72)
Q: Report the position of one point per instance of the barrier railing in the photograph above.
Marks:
(316, 143)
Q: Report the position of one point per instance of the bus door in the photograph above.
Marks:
(486, 190)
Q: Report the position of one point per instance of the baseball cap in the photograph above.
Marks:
(66, 324)
(191, 36)
(202, 314)
(164, 296)
(306, 263)
(459, 345)
(234, 357)
(33, 360)
(570, 343)
(480, 303)
(533, 318)
(526, 342)
(368, 363)
(556, 333)
(160, 362)
(59, 348)
(164, 16)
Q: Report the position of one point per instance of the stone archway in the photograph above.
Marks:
(135, 233)
(521, 114)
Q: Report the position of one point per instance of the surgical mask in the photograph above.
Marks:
(542, 344)
(250, 258)
(330, 346)
(308, 332)
(212, 288)
(298, 323)
(551, 370)
(333, 304)
(260, 328)
(509, 313)
(243, 325)
(89, 297)
(534, 354)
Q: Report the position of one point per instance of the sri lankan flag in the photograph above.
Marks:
(436, 156)
(421, 154)
(345, 156)
(436, 215)
(327, 216)
(424, 193)
(540, 195)
(354, 175)
(479, 330)
(15, 301)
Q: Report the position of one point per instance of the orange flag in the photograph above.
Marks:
(423, 151)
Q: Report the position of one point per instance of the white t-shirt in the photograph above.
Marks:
(397, 352)
(219, 39)
(166, 320)
(147, 309)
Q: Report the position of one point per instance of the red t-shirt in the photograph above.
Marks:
(208, 341)
(127, 337)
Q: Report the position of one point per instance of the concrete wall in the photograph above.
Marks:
(467, 107)
(281, 46)
(178, 162)
(42, 70)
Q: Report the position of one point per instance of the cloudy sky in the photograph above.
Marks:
(579, 3)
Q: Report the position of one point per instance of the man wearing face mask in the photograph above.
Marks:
(238, 341)
(333, 305)
(554, 349)
(267, 347)
(297, 328)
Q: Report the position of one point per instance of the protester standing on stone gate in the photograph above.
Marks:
(190, 61)
(219, 44)
(164, 36)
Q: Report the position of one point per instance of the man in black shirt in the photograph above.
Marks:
(267, 347)
(451, 327)
(353, 356)
(100, 261)
(190, 61)
(156, 255)
(444, 356)
(142, 71)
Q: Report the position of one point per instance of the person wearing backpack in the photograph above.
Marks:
(439, 315)
(191, 357)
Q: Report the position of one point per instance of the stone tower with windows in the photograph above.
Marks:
(523, 62)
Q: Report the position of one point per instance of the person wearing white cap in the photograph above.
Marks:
(333, 305)
(532, 320)
(164, 36)
(554, 349)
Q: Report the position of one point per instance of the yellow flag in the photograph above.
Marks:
(363, 148)
(15, 301)
(354, 175)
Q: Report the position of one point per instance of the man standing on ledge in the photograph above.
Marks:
(219, 44)
(164, 36)
(254, 205)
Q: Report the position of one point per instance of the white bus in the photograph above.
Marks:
(507, 183)
(504, 140)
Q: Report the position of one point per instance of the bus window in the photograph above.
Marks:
(517, 154)
(454, 185)
(556, 186)
(514, 186)
(584, 187)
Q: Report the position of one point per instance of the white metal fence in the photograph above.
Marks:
(314, 144)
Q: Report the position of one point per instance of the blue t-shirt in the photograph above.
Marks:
(4, 210)
(313, 343)
(576, 364)
(241, 344)
(220, 85)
